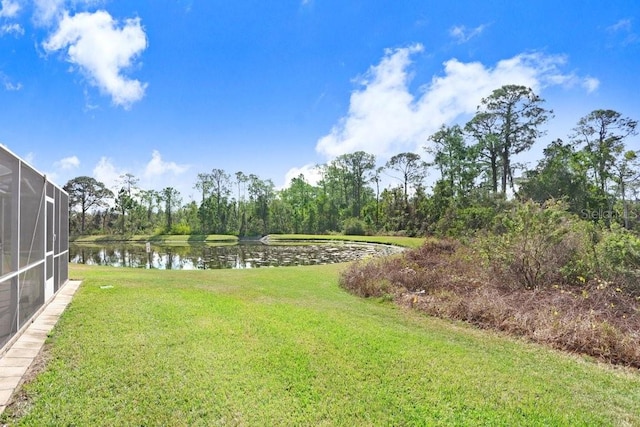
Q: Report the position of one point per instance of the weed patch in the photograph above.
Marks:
(444, 279)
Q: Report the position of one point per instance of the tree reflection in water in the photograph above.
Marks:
(244, 255)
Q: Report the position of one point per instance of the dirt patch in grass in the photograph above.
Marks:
(20, 402)
(448, 280)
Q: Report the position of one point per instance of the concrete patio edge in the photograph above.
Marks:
(18, 356)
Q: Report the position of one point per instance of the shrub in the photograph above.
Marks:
(353, 227)
(539, 246)
(446, 279)
(159, 230)
(181, 228)
(367, 279)
(618, 256)
(460, 222)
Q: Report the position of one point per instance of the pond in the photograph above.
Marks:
(241, 255)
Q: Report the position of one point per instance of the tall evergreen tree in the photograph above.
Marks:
(455, 161)
(517, 116)
(356, 169)
(410, 168)
(483, 127)
(172, 201)
(86, 193)
(601, 135)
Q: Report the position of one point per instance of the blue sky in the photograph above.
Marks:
(167, 89)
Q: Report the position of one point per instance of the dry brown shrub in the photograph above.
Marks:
(377, 277)
(449, 280)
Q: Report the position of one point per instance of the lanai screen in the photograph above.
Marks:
(34, 242)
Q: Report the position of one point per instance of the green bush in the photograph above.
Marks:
(538, 246)
(618, 249)
(618, 256)
(353, 227)
(181, 228)
(465, 221)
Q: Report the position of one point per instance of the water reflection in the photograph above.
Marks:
(243, 255)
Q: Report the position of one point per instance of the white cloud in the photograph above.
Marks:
(381, 114)
(311, 174)
(63, 170)
(157, 167)
(463, 34)
(102, 50)
(385, 118)
(48, 11)
(590, 84)
(8, 83)
(14, 29)
(67, 163)
(156, 174)
(107, 173)
(621, 25)
(9, 8)
(624, 29)
(12, 87)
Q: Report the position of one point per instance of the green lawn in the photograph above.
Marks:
(163, 238)
(287, 346)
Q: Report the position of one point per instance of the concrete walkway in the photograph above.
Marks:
(17, 359)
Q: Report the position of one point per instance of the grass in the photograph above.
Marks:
(287, 346)
(163, 238)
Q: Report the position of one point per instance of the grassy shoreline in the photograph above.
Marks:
(288, 346)
(163, 238)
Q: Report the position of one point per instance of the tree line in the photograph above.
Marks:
(594, 172)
